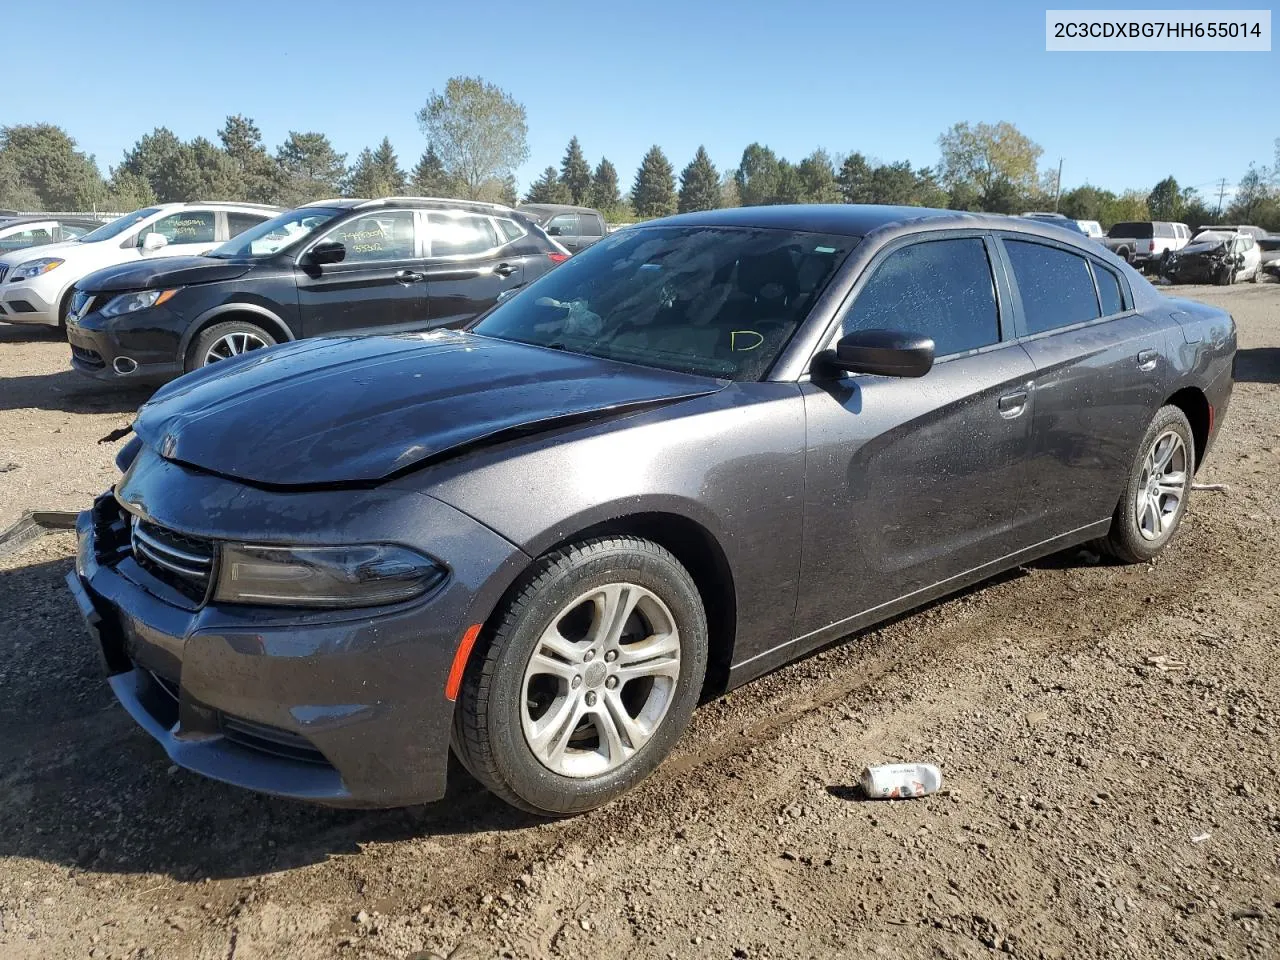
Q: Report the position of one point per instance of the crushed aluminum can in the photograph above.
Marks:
(898, 781)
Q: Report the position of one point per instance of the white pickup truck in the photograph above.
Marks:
(1144, 242)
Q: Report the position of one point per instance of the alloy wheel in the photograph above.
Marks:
(231, 345)
(1162, 486)
(600, 680)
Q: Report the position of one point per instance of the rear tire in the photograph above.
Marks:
(1157, 492)
(224, 340)
(537, 720)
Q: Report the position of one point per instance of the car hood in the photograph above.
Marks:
(15, 257)
(1204, 246)
(163, 272)
(356, 410)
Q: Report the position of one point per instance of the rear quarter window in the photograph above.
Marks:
(1108, 290)
(1056, 286)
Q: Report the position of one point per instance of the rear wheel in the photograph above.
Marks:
(225, 340)
(1155, 498)
(589, 678)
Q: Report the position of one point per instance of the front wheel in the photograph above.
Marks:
(225, 340)
(1158, 488)
(589, 678)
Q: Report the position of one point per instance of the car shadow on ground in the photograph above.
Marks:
(85, 788)
(1258, 365)
(69, 392)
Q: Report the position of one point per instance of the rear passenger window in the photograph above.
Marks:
(1108, 290)
(589, 225)
(939, 288)
(1055, 285)
(458, 236)
(238, 223)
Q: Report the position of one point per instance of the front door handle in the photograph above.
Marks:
(505, 269)
(1147, 359)
(410, 276)
(1012, 404)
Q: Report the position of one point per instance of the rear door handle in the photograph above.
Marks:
(1147, 359)
(505, 269)
(1012, 404)
(410, 276)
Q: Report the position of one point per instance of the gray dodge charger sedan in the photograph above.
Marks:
(703, 447)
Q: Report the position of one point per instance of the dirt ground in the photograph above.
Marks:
(1109, 737)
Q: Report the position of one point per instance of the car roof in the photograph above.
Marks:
(429, 203)
(45, 218)
(556, 208)
(856, 219)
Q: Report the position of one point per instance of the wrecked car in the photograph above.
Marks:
(701, 448)
(1214, 256)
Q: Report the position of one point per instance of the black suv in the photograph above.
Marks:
(330, 267)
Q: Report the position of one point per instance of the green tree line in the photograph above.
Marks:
(477, 136)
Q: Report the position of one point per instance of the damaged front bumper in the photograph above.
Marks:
(345, 707)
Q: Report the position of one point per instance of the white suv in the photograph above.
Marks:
(36, 284)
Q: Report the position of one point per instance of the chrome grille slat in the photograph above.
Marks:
(3, 271)
(184, 563)
(202, 564)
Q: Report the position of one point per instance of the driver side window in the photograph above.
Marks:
(186, 226)
(939, 288)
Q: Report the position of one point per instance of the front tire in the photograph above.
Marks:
(589, 677)
(1158, 489)
(221, 341)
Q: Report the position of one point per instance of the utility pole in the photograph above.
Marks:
(1222, 192)
(1057, 191)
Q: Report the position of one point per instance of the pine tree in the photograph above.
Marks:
(575, 173)
(510, 195)
(604, 187)
(428, 178)
(376, 173)
(818, 178)
(699, 184)
(654, 191)
(547, 189)
(310, 168)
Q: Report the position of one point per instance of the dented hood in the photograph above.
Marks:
(358, 409)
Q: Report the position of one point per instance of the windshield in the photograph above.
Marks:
(716, 301)
(275, 234)
(119, 225)
(1210, 236)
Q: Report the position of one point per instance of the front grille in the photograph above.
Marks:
(90, 358)
(4, 269)
(272, 740)
(184, 563)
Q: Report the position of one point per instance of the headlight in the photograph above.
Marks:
(133, 302)
(358, 576)
(34, 268)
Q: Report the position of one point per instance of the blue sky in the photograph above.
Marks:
(885, 79)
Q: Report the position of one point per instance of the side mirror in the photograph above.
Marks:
(327, 251)
(555, 231)
(154, 241)
(887, 353)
